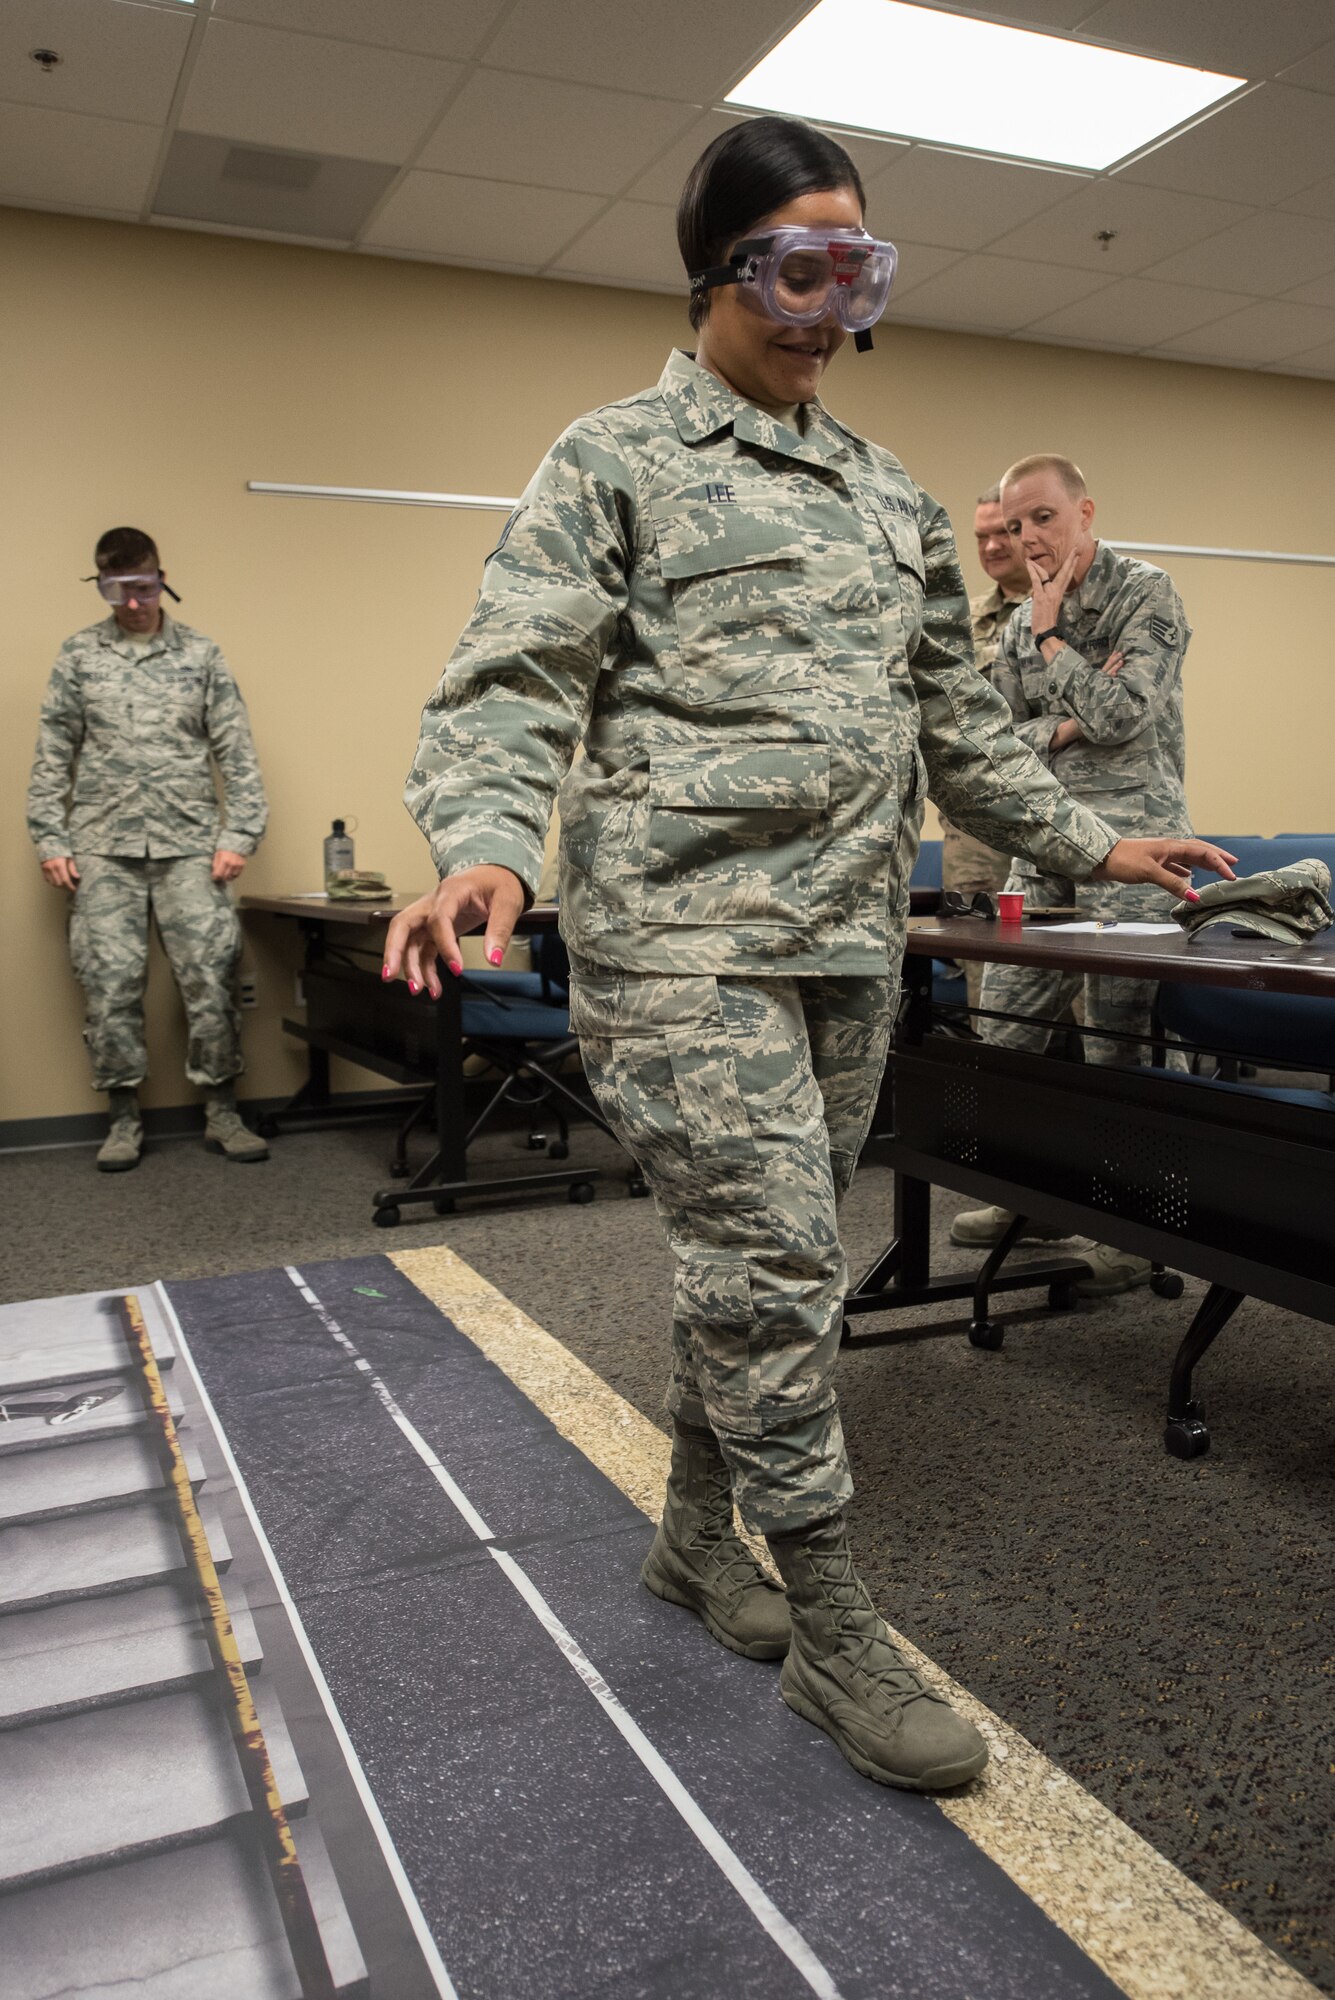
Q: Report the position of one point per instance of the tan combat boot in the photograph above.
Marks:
(982, 1227)
(225, 1133)
(124, 1143)
(699, 1561)
(845, 1673)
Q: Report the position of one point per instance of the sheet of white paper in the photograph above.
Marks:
(1127, 930)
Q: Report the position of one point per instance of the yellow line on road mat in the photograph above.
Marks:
(1135, 1915)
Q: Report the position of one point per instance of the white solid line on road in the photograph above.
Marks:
(765, 1911)
(762, 1907)
(421, 1929)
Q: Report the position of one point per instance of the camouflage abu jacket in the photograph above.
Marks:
(123, 749)
(762, 640)
(1130, 764)
(989, 614)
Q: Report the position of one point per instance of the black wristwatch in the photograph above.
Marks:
(1051, 633)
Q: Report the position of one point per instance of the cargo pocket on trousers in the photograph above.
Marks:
(726, 1170)
(713, 1305)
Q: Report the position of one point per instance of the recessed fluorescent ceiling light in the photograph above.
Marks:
(884, 67)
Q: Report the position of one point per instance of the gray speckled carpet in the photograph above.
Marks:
(1160, 1629)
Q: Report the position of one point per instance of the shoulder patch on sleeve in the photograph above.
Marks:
(1163, 630)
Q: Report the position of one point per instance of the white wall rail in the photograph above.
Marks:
(393, 497)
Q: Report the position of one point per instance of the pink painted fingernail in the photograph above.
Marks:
(413, 986)
(456, 965)
(495, 957)
(384, 972)
(1191, 895)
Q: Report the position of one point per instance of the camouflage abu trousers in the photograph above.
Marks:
(968, 866)
(1123, 1005)
(109, 951)
(745, 1103)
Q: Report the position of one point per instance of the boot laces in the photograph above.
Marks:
(715, 1534)
(861, 1632)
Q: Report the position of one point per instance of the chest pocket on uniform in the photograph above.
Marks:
(741, 604)
(910, 573)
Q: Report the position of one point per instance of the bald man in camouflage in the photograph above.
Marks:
(1091, 669)
(124, 815)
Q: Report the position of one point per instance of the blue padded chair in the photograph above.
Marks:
(519, 1023)
(927, 868)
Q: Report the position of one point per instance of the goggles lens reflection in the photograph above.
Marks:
(145, 588)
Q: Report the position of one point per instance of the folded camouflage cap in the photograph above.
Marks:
(1290, 904)
(346, 885)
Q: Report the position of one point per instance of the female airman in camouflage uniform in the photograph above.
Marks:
(755, 623)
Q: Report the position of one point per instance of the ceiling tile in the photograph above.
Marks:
(270, 88)
(1135, 313)
(1314, 72)
(573, 137)
(1018, 13)
(1232, 37)
(1271, 331)
(494, 222)
(664, 180)
(1316, 360)
(694, 50)
(1319, 199)
(293, 194)
(917, 263)
(635, 243)
(62, 158)
(1258, 149)
(454, 28)
(1321, 292)
(1149, 223)
(995, 294)
(1265, 254)
(959, 201)
(118, 61)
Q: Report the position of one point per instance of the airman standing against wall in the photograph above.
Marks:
(124, 815)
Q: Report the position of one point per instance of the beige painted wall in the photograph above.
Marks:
(147, 374)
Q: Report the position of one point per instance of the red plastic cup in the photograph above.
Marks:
(1010, 905)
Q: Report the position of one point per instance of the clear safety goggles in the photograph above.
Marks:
(145, 587)
(801, 276)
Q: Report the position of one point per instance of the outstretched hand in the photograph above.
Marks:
(1166, 862)
(429, 928)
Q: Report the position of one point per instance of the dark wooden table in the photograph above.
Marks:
(1233, 1185)
(1214, 958)
(411, 1041)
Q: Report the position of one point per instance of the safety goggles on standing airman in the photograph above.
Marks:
(801, 276)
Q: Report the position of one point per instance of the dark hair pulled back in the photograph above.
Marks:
(744, 175)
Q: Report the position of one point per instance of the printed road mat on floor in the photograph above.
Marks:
(588, 1795)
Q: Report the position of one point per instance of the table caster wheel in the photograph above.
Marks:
(536, 1141)
(444, 1204)
(1187, 1437)
(267, 1127)
(387, 1218)
(558, 1150)
(986, 1333)
(637, 1187)
(581, 1192)
(398, 1170)
(1062, 1297)
(1166, 1284)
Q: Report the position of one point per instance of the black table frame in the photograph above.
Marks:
(410, 1040)
(1237, 1190)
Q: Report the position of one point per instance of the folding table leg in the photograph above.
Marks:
(1185, 1435)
